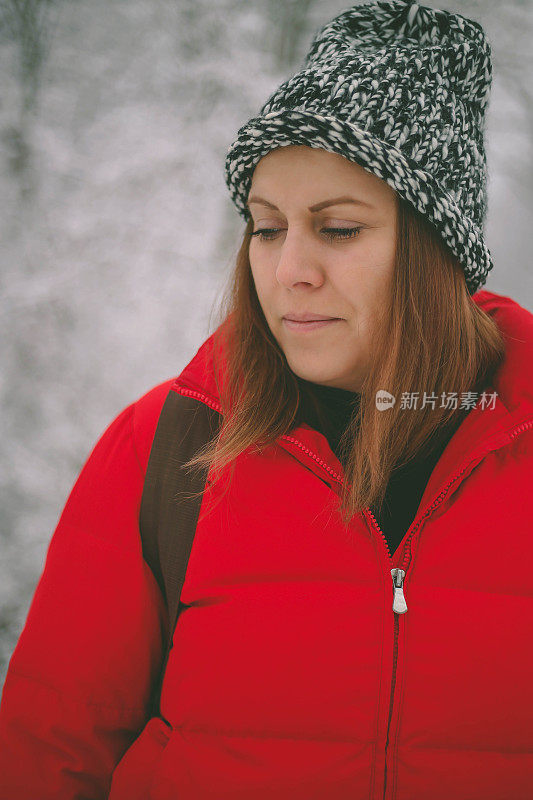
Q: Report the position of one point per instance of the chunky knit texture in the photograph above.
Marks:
(402, 90)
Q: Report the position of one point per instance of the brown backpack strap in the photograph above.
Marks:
(168, 515)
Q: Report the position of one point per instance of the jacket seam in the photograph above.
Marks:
(401, 698)
(248, 734)
(373, 776)
(525, 751)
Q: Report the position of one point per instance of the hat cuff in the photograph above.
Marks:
(281, 128)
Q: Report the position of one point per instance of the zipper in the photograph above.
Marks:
(391, 701)
(399, 605)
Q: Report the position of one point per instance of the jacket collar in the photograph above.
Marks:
(481, 431)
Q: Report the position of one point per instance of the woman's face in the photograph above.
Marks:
(331, 260)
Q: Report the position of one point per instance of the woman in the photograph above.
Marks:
(377, 417)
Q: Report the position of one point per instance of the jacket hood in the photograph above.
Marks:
(513, 382)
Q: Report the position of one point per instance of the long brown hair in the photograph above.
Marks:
(434, 339)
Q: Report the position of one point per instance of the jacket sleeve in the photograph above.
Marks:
(78, 684)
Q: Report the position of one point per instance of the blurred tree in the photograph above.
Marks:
(27, 24)
(290, 21)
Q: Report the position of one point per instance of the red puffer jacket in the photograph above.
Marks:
(290, 675)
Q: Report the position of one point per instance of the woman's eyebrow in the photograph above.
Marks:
(336, 201)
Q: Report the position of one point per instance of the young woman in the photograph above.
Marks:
(357, 604)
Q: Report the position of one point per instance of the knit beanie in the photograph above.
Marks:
(401, 89)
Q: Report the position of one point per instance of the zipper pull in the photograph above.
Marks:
(399, 606)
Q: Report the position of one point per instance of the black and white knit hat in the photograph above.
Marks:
(400, 89)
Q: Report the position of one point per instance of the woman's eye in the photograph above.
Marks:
(267, 234)
(341, 233)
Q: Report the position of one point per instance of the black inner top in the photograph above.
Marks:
(327, 409)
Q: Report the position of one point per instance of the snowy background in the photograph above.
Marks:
(117, 232)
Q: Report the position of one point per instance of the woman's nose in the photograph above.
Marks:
(298, 262)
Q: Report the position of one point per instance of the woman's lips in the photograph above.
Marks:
(302, 327)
